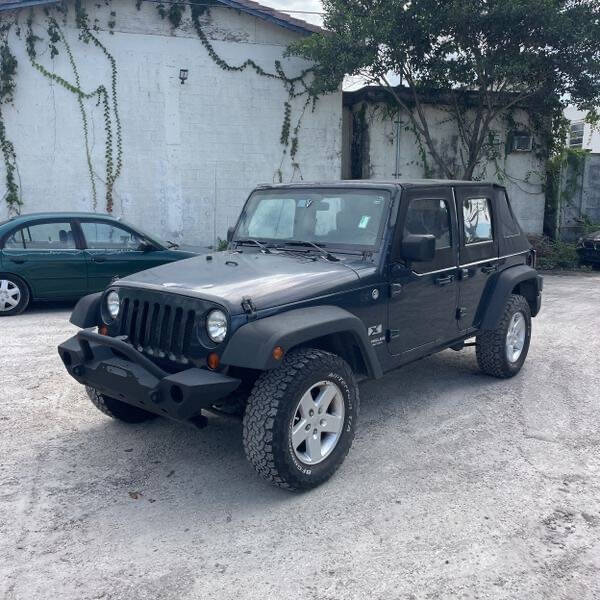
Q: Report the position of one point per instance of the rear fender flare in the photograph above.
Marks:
(495, 299)
(251, 346)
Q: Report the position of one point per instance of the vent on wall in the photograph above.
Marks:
(522, 142)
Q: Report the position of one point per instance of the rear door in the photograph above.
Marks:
(114, 250)
(478, 259)
(422, 308)
(48, 256)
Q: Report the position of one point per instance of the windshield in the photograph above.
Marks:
(322, 216)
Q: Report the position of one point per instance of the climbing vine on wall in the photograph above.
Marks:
(106, 95)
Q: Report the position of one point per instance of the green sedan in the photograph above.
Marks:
(63, 256)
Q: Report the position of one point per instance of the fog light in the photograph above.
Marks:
(213, 360)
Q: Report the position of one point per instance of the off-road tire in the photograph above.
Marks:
(270, 411)
(117, 409)
(25, 295)
(491, 343)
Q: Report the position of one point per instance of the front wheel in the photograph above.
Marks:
(14, 295)
(501, 352)
(301, 418)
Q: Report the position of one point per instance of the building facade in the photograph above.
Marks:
(192, 125)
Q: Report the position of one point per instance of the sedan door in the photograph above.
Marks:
(47, 255)
(113, 250)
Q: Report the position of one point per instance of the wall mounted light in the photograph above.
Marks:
(183, 75)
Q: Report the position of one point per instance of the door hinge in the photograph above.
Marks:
(395, 289)
(393, 333)
(461, 312)
(249, 308)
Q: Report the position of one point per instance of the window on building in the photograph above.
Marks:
(522, 142)
(43, 236)
(477, 219)
(576, 134)
(429, 217)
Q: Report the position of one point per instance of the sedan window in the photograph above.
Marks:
(42, 236)
(108, 236)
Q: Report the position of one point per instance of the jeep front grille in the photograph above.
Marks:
(158, 328)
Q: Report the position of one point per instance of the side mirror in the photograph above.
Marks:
(230, 233)
(418, 248)
(146, 246)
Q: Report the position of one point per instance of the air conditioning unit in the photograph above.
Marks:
(522, 142)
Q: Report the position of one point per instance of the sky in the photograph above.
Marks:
(308, 5)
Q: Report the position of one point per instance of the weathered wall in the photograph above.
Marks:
(580, 196)
(521, 172)
(191, 153)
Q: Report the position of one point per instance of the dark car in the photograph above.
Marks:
(323, 285)
(588, 250)
(64, 256)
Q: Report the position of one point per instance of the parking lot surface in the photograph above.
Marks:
(458, 485)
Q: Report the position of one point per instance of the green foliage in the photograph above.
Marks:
(488, 56)
(554, 254)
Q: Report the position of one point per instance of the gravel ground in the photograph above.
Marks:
(458, 485)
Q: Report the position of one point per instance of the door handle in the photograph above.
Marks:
(99, 259)
(488, 269)
(18, 261)
(444, 280)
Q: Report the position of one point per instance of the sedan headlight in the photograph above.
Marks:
(216, 326)
(113, 304)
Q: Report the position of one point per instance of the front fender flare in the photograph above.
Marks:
(251, 346)
(87, 311)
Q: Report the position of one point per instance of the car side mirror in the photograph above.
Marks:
(418, 248)
(146, 246)
(230, 233)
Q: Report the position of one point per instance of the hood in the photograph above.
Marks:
(592, 237)
(227, 277)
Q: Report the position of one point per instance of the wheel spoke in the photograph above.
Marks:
(299, 433)
(3, 285)
(12, 302)
(306, 405)
(313, 447)
(325, 397)
(332, 424)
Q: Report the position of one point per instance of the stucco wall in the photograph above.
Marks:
(521, 172)
(191, 153)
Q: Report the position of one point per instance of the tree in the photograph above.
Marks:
(486, 56)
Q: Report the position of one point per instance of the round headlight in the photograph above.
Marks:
(216, 326)
(113, 304)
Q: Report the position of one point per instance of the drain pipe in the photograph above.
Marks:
(397, 167)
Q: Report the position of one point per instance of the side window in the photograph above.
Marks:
(43, 236)
(510, 227)
(106, 236)
(477, 220)
(429, 217)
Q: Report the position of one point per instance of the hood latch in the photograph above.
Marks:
(249, 308)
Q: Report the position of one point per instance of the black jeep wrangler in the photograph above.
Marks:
(323, 285)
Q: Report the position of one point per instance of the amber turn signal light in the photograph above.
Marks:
(213, 361)
(278, 353)
(103, 330)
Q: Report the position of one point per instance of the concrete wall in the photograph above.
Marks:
(580, 197)
(191, 153)
(522, 173)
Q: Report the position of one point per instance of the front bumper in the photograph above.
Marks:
(118, 370)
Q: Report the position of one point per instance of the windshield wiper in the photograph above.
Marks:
(262, 246)
(172, 245)
(318, 247)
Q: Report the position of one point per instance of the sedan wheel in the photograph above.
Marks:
(14, 295)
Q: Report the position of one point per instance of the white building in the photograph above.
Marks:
(581, 134)
(195, 116)
(191, 152)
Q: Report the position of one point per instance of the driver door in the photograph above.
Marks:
(424, 295)
(112, 251)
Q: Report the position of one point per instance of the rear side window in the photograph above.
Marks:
(42, 236)
(429, 217)
(510, 226)
(477, 220)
